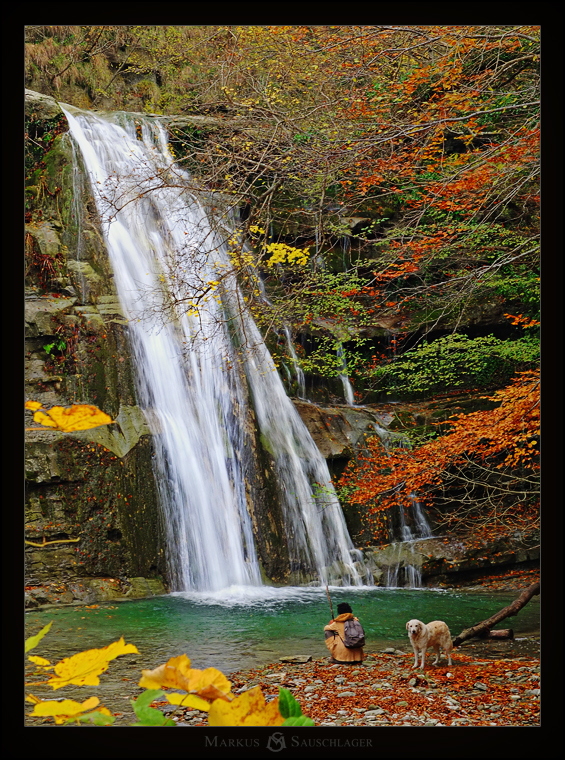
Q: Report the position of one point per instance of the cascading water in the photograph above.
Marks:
(347, 387)
(300, 379)
(162, 248)
(403, 563)
(404, 550)
(76, 216)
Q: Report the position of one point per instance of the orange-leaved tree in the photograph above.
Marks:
(485, 468)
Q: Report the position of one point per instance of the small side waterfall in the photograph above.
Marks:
(403, 550)
(300, 379)
(347, 387)
(402, 567)
(163, 249)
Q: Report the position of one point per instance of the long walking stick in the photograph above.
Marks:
(330, 601)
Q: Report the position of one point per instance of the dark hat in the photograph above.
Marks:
(343, 607)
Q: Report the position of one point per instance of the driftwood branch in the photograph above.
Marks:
(483, 629)
(48, 543)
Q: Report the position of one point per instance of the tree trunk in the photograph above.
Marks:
(483, 629)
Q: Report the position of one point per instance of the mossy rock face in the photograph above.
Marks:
(86, 282)
(96, 590)
(454, 560)
(144, 587)
(42, 314)
(90, 512)
(91, 502)
(41, 107)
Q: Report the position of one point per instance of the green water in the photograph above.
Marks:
(246, 628)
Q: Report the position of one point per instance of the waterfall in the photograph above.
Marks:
(76, 219)
(347, 387)
(300, 379)
(164, 250)
(403, 551)
(402, 564)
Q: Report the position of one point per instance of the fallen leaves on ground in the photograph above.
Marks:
(509, 580)
(386, 691)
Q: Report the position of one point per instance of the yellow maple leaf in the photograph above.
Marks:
(69, 419)
(84, 668)
(249, 709)
(177, 674)
(210, 684)
(65, 708)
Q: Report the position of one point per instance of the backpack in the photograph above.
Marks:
(354, 635)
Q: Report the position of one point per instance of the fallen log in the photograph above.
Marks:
(483, 629)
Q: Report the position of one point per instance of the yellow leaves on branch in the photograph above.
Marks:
(68, 419)
(203, 686)
(83, 669)
(282, 253)
(249, 709)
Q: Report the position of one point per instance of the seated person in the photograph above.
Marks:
(334, 635)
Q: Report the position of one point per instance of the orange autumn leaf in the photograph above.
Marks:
(33, 405)
(249, 709)
(209, 684)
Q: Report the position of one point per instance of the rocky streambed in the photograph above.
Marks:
(486, 685)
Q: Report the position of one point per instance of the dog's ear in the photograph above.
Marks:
(407, 624)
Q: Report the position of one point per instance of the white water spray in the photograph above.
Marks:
(347, 387)
(162, 246)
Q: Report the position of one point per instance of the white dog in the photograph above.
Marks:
(435, 634)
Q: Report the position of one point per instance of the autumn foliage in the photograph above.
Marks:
(404, 158)
(495, 450)
(386, 182)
